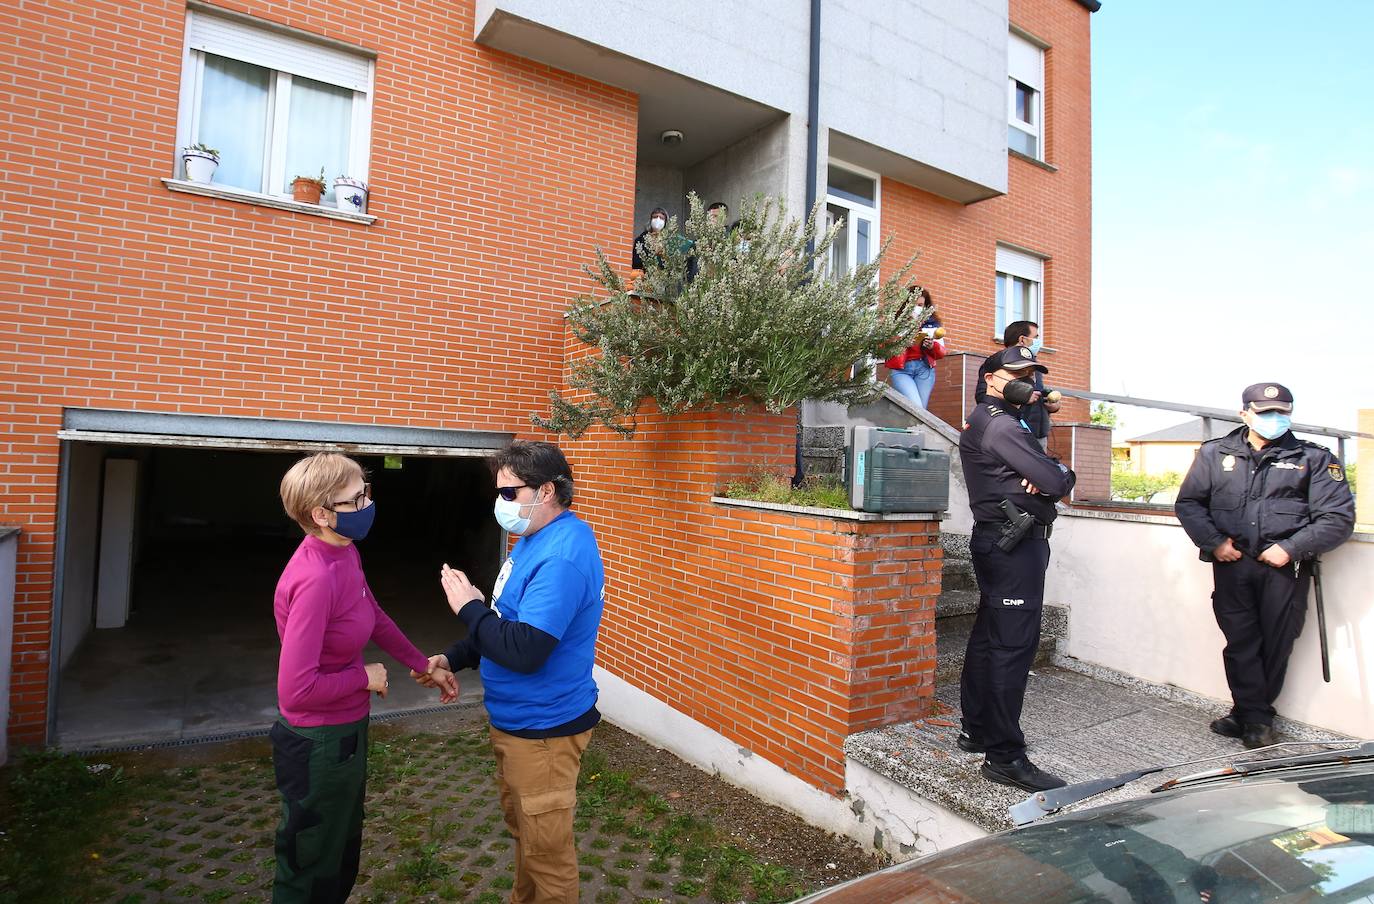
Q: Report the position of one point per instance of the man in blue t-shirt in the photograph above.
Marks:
(534, 647)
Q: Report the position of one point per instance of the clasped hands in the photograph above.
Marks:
(1274, 555)
(437, 675)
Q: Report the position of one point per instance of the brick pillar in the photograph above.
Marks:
(784, 630)
(1087, 448)
(956, 379)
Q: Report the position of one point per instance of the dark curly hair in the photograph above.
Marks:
(537, 463)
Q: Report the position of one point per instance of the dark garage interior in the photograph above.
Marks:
(177, 551)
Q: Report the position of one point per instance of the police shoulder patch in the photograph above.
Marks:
(994, 410)
(1336, 471)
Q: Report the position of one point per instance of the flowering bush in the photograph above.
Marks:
(729, 317)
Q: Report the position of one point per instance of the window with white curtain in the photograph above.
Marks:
(1025, 97)
(274, 104)
(1020, 278)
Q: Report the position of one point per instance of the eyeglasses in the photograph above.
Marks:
(358, 502)
(509, 493)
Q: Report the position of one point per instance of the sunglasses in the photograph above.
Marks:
(509, 493)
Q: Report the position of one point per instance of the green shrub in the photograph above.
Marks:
(761, 323)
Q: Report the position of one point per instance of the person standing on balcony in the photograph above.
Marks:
(1025, 333)
(913, 370)
(1261, 504)
(534, 646)
(1012, 488)
(326, 614)
(645, 241)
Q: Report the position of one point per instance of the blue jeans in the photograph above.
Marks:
(915, 381)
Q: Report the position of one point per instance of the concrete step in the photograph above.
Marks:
(951, 640)
(953, 603)
(958, 574)
(1081, 722)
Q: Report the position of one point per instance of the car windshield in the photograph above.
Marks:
(1305, 836)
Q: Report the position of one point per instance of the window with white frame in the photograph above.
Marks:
(1025, 97)
(274, 105)
(1020, 278)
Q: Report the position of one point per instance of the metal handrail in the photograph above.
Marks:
(1210, 414)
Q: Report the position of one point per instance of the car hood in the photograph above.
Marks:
(1303, 834)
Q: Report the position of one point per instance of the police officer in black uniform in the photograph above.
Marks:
(1260, 504)
(1012, 488)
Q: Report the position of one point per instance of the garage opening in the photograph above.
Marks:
(170, 559)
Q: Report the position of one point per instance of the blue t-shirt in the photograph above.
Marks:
(553, 581)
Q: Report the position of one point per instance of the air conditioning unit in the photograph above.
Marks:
(888, 469)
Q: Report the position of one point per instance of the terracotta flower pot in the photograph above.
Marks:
(307, 191)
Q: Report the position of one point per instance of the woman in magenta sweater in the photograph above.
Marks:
(326, 614)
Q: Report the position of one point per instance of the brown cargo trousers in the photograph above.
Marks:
(538, 782)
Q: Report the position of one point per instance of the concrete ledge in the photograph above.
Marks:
(246, 197)
(841, 514)
(1298, 731)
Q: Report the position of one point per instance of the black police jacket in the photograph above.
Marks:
(1035, 416)
(997, 451)
(1292, 493)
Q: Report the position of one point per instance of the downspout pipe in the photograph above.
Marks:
(813, 131)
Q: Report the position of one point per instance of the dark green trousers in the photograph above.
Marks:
(322, 777)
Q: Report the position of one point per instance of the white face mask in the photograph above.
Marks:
(508, 515)
(657, 223)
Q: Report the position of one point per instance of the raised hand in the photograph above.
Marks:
(459, 590)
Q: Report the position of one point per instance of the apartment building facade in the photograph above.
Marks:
(168, 345)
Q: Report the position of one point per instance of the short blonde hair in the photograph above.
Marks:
(310, 483)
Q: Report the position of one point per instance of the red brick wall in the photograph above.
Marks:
(1048, 212)
(120, 294)
(1087, 449)
(784, 632)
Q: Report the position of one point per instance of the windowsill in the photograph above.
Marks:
(1029, 159)
(1043, 348)
(210, 190)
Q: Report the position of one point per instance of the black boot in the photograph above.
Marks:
(968, 745)
(1227, 726)
(1257, 735)
(1021, 773)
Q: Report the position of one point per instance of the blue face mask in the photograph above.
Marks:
(355, 525)
(1270, 424)
(1036, 346)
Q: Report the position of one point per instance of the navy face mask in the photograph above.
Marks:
(355, 525)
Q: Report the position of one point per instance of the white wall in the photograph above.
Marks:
(657, 186)
(756, 165)
(79, 557)
(874, 809)
(923, 79)
(1140, 602)
(9, 551)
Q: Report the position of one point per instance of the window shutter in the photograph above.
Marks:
(264, 47)
(1025, 62)
(1018, 263)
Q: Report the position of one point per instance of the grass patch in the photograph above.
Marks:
(54, 808)
(823, 491)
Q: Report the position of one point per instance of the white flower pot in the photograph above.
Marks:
(200, 166)
(350, 195)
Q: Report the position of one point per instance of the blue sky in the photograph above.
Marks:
(1233, 203)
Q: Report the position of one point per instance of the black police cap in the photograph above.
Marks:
(1017, 357)
(1267, 397)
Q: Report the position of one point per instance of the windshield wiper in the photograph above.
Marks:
(1046, 803)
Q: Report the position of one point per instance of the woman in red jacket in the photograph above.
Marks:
(913, 370)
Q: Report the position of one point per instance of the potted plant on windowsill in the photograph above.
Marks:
(201, 162)
(350, 194)
(308, 189)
